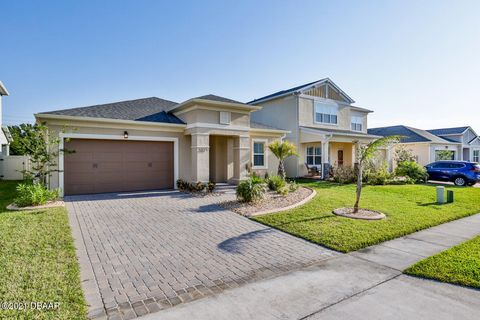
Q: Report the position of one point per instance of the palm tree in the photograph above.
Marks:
(365, 153)
(282, 150)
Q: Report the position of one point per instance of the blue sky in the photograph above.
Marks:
(414, 62)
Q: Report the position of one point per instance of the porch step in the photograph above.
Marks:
(225, 188)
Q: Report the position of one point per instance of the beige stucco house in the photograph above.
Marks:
(424, 145)
(466, 136)
(150, 143)
(321, 121)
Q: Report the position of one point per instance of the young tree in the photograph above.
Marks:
(282, 150)
(22, 135)
(365, 153)
(41, 146)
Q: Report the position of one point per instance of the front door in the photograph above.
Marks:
(340, 158)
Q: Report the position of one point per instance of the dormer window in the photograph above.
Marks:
(357, 123)
(326, 113)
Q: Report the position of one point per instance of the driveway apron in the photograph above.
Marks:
(146, 251)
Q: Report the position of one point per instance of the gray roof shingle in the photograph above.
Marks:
(406, 133)
(213, 97)
(442, 131)
(147, 109)
(257, 125)
(278, 93)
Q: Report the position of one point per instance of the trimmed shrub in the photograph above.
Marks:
(251, 190)
(211, 186)
(275, 183)
(199, 186)
(412, 170)
(256, 178)
(376, 174)
(343, 174)
(293, 186)
(34, 195)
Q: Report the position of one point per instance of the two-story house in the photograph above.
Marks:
(470, 141)
(149, 143)
(321, 121)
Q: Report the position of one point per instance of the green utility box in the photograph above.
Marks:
(449, 196)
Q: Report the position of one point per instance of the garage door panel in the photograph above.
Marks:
(107, 156)
(138, 156)
(80, 156)
(114, 166)
(82, 178)
(99, 166)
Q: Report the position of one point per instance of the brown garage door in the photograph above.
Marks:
(99, 166)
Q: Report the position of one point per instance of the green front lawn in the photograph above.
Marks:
(37, 262)
(409, 208)
(458, 265)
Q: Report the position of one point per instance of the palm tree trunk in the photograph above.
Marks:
(281, 169)
(359, 187)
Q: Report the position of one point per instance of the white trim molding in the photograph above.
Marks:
(64, 136)
(216, 126)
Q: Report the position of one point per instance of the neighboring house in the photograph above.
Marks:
(466, 136)
(5, 137)
(321, 121)
(150, 143)
(425, 146)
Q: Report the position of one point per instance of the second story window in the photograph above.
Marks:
(326, 113)
(225, 117)
(357, 123)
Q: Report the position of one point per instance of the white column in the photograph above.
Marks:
(200, 157)
(390, 158)
(241, 155)
(325, 158)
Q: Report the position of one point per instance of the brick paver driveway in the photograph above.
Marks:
(142, 252)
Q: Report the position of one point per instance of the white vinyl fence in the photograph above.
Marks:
(11, 167)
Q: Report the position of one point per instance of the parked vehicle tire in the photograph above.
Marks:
(460, 181)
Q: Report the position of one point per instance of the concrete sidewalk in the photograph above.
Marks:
(367, 284)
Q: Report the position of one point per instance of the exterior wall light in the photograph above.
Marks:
(125, 134)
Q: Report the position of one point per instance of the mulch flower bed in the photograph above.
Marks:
(363, 214)
(271, 202)
(50, 204)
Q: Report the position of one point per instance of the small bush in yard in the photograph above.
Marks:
(34, 195)
(211, 186)
(256, 178)
(199, 186)
(275, 183)
(343, 174)
(293, 186)
(376, 174)
(251, 190)
(412, 170)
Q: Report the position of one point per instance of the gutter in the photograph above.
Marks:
(108, 120)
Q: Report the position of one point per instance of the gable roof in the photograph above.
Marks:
(214, 100)
(213, 97)
(301, 88)
(147, 109)
(445, 131)
(3, 90)
(409, 134)
(469, 142)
